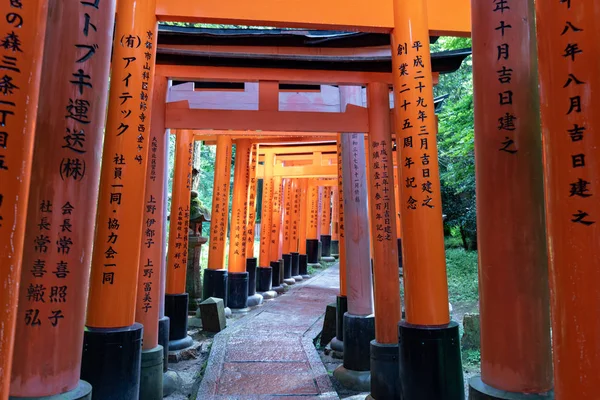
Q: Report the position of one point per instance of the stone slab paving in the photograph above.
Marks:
(269, 354)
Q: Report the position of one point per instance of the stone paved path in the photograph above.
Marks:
(269, 354)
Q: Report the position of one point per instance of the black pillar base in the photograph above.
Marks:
(176, 308)
(238, 290)
(335, 248)
(83, 391)
(251, 264)
(325, 245)
(319, 251)
(287, 266)
(312, 251)
(430, 362)
(277, 277)
(111, 361)
(151, 374)
(480, 391)
(340, 309)
(400, 253)
(264, 279)
(303, 265)
(296, 266)
(358, 333)
(215, 285)
(384, 372)
(163, 340)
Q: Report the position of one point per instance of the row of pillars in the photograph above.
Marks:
(56, 186)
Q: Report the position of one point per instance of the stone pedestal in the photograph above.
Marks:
(193, 284)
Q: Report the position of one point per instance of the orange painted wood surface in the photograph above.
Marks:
(335, 213)
(568, 43)
(286, 208)
(312, 206)
(425, 283)
(513, 280)
(373, 15)
(296, 194)
(276, 233)
(342, 239)
(304, 215)
(251, 212)
(22, 66)
(179, 217)
(325, 219)
(239, 204)
(63, 195)
(397, 199)
(220, 206)
(383, 217)
(266, 212)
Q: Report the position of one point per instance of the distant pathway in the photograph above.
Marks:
(269, 354)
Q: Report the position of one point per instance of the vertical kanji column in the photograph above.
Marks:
(359, 322)
(254, 298)
(397, 203)
(384, 349)
(215, 277)
(568, 44)
(337, 343)
(237, 275)
(513, 280)
(429, 369)
(23, 30)
(303, 190)
(335, 222)
(63, 184)
(265, 271)
(176, 298)
(296, 194)
(325, 220)
(286, 210)
(312, 221)
(276, 232)
(112, 341)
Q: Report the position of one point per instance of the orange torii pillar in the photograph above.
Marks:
(286, 209)
(335, 222)
(359, 322)
(254, 298)
(325, 220)
(64, 180)
(113, 340)
(296, 195)
(215, 276)
(176, 298)
(568, 47)
(430, 363)
(397, 204)
(384, 349)
(337, 343)
(303, 190)
(513, 280)
(312, 222)
(22, 67)
(279, 282)
(265, 271)
(238, 276)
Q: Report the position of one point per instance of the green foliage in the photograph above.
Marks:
(471, 360)
(456, 140)
(462, 275)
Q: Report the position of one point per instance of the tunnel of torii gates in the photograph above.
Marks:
(67, 159)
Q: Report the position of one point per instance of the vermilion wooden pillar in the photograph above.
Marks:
(22, 68)
(384, 367)
(296, 196)
(335, 222)
(568, 42)
(325, 221)
(397, 203)
(359, 328)
(513, 283)
(265, 271)
(312, 222)
(237, 275)
(285, 230)
(302, 227)
(64, 182)
(112, 370)
(176, 298)
(254, 275)
(215, 276)
(429, 369)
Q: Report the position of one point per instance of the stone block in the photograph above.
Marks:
(471, 338)
(328, 331)
(212, 311)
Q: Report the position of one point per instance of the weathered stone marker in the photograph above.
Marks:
(212, 311)
(328, 331)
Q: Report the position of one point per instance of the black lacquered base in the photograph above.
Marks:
(163, 339)
(295, 264)
(215, 285)
(277, 276)
(176, 308)
(480, 391)
(303, 265)
(335, 248)
(312, 251)
(264, 279)
(111, 361)
(430, 362)
(400, 252)
(340, 309)
(384, 372)
(358, 333)
(251, 265)
(287, 266)
(83, 391)
(238, 290)
(325, 245)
